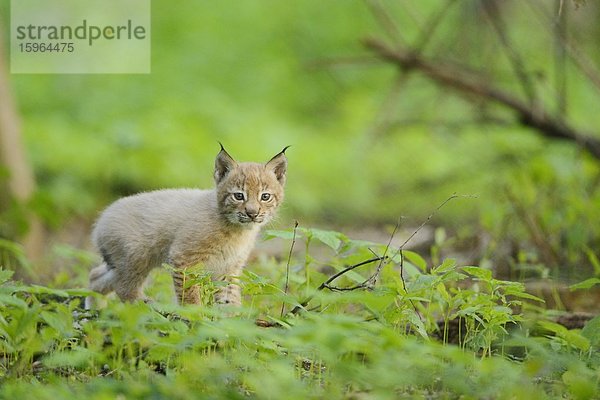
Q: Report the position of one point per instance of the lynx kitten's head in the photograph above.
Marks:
(249, 193)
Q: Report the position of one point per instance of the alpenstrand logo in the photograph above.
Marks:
(80, 36)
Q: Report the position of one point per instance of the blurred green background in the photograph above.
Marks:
(366, 147)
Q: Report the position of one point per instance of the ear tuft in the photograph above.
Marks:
(278, 165)
(224, 163)
(284, 149)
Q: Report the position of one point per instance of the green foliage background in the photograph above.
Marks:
(258, 76)
(251, 75)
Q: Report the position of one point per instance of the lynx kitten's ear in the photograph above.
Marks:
(224, 163)
(278, 165)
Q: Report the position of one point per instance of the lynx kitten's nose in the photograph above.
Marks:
(252, 213)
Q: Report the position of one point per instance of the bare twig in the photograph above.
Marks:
(401, 248)
(345, 270)
(374, 277)
(412, 303)
(332, 278)
(384, 119)
(431, 26)
(536, 230)
(495, 17)
(438, 208)
(466, 84)
(386, 21)
(580, 60)
(366, 284)
(287, 267)
(327, 62)
(402, 271)
(371, 280)
(560, 60)
(455, 124)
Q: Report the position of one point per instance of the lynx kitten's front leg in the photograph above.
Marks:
(185, 295)
(229, 294)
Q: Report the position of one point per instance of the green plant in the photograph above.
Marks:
(380, 329)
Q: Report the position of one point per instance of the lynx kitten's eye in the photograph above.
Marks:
(265, 196)
(238, 196)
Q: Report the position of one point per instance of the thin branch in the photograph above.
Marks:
(455, 124)
(325, 284)
(401, 248)
(581, 61)
(431, 26)
(384, 120)
(371, 280)
(560, 61)
(348, 269)
(367, 284)
(374, 277)
(465, 84)
(402, 271)
(494, 16)
(438, 208)
(386, 21)
(327, 62)
(287, 266)
(539, 236)
(412, 303)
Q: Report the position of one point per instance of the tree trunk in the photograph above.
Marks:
(20, 184)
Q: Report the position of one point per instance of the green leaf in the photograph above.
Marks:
(36, 289)
(415, 259)
(577, 340)
(5, 275)
(287, 235)
(441, 289)
(591, 331)
(416, 322)
(581, 383)
(76, 357)
(422, 282)
(588, 283)
(17, 254)
(79, 292)
(6, 299)
(552, 327)
(572, 337)
(332, 239)
(478, 272)
(519, 292)
(61, 325)
(468, 311)
(447, 265)
(161, 352)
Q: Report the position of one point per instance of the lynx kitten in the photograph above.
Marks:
(213, 228)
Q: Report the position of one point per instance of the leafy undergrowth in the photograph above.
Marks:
(409, 330)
